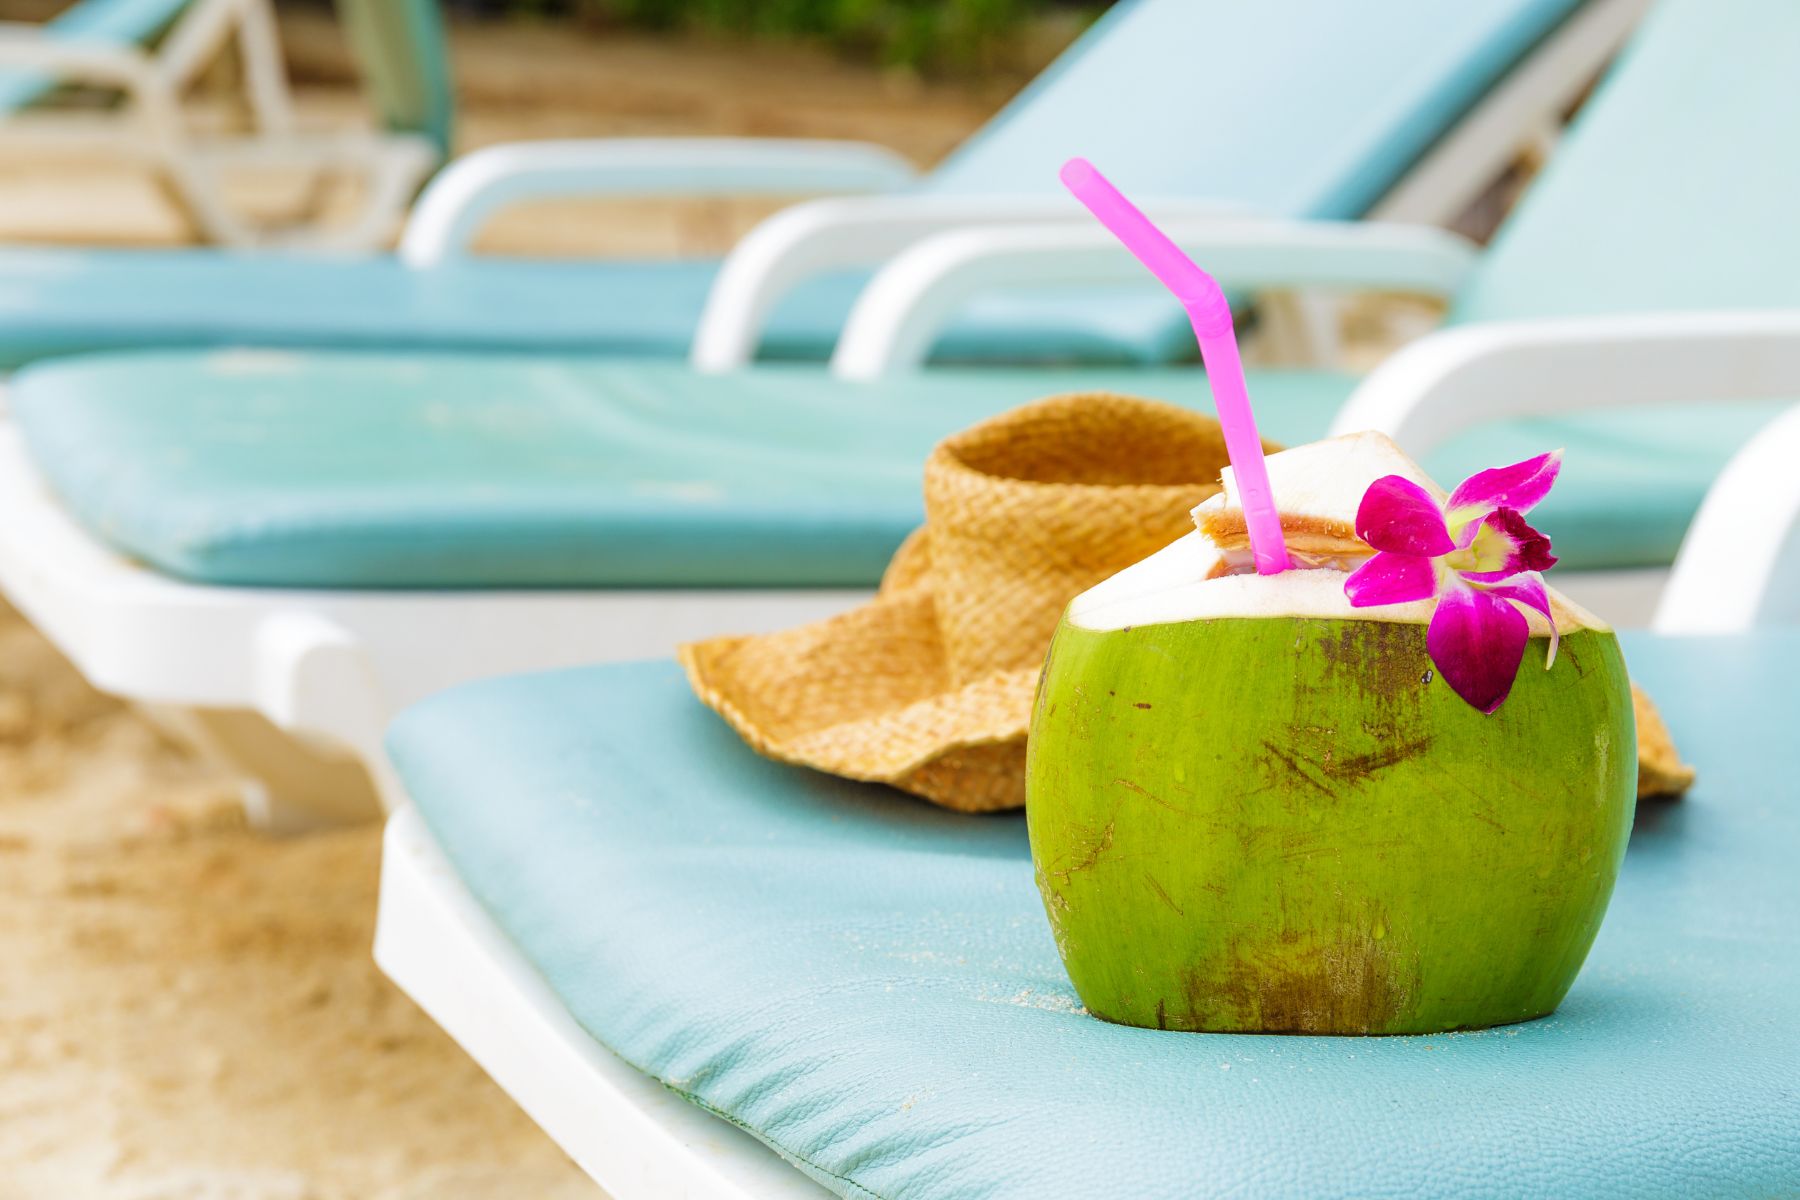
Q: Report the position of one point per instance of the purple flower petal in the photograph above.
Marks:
(1528, 589)
(1519, 487)
(1391, 578)
(1399, 516)
(1477, 641)
(1501, 544)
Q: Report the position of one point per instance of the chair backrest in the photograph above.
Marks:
(1298, 108)
(405, 58)
(1678, 187)
(110, 22)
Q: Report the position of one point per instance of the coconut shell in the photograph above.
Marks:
(1340, 846)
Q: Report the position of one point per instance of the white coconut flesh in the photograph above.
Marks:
(1209, 575)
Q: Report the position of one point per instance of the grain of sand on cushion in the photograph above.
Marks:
(188, 1011)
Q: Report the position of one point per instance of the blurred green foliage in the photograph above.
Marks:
(959, 36)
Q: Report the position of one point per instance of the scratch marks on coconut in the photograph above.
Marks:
(1361, 766)
(1139, 789)
(1166, 899)
(1091, 846)
(1325, 772)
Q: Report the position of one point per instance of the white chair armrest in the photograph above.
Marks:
(811, 239)
(1739, 565)
(1457, 379)
(900, 313)
(466, 193)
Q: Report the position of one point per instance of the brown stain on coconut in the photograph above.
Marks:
(1388, 659)
(1358, 984)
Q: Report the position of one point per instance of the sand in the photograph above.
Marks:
(188, 1009)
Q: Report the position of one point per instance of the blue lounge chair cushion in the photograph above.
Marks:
(1365, 91)
(869, 985)
(336, 470)
(63, 302)
(1669, 194)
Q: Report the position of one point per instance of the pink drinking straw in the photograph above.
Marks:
(1210, 312)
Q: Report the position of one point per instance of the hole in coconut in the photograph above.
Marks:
(1242, 562)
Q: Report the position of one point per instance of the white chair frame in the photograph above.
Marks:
(152, 129)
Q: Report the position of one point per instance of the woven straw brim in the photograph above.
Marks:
(929, 686)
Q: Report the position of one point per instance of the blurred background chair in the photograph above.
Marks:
(150, 53)
(1407, 107)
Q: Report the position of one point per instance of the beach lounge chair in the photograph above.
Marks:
(152, 51)
(1406, 107)
(705, 973)
(323, 539)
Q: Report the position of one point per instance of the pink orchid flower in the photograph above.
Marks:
(1477, 556)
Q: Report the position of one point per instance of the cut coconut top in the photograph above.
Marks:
(1318, 488)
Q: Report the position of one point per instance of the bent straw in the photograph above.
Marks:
(1210, 313)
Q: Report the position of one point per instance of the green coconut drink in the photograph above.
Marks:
(1255, 807)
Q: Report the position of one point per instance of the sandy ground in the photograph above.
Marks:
(188, 1009)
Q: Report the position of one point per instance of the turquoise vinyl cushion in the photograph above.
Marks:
(88, 22)
(1291, 107)
(868, 984)
(63, 302)
(339, 470)
(1675, 189)
(1364, 90)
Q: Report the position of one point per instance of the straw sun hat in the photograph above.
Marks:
(929, 686)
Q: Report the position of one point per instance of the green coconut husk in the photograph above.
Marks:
(1293, 825)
